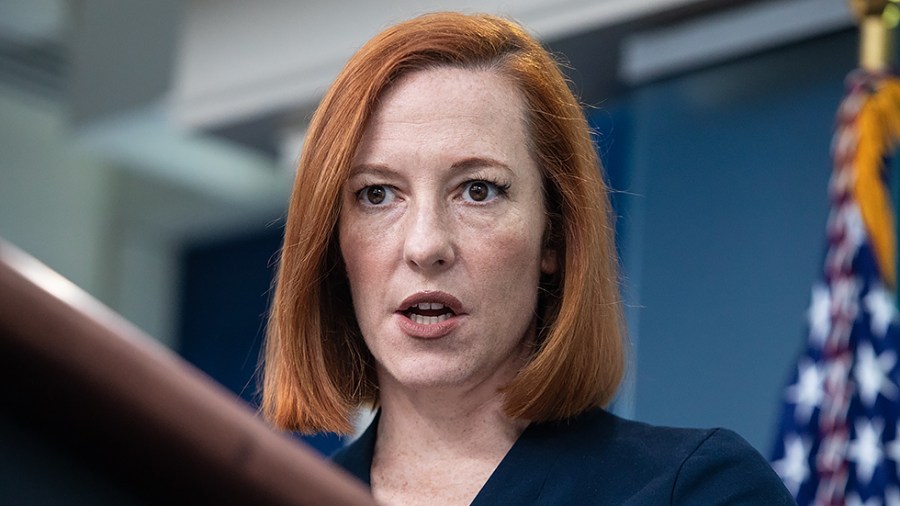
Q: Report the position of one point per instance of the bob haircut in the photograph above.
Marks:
(318, 370)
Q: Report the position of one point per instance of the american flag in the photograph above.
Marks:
(839, 432)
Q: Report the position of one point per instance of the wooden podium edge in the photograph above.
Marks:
(57, 326)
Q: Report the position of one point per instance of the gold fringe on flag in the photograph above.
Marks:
(877, 127)
(878, 133)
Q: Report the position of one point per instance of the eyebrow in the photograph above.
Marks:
(471, 163)
(369, 168)
(479, 162)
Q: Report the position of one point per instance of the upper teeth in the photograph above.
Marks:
(429, 305)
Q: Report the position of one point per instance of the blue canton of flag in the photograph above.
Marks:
(839, 434)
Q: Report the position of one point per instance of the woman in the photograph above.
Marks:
(449, 258)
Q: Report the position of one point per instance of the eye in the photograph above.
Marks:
(375, 195)
(481, 191)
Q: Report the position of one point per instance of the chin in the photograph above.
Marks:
(428, 379)
(440, 375)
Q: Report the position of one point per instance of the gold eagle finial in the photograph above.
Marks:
(876, 20)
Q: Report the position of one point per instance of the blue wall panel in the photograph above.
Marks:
(225, 296)
(731, 166)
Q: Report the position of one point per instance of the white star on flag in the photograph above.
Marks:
(854, 500)
(892, 496)
(866, 450)
(883, 309)
(793, 468)
(892, 450)
(871, 373)
(808, 392)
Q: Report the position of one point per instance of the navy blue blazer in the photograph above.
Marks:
(599, 458)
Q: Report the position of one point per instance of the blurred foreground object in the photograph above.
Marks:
(839, 435)
(94, 411)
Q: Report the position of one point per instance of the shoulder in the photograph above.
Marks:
(725, 469)
(626, 462)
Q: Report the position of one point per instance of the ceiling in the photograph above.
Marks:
(207, 101)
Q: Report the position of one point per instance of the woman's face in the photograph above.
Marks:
(441, 231)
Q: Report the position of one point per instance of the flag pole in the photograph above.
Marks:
(876, 19)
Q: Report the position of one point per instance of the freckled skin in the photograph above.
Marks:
(428, 234)
(457, 208)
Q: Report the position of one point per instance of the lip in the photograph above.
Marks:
(432, 296)
(434, 330)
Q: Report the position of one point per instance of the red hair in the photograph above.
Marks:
(317, 367)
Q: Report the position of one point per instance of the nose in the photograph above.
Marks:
(429, 244)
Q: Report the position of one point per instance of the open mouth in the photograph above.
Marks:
(428, 313)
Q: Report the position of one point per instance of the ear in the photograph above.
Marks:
(549, 263)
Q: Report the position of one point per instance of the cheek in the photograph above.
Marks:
(365, 250)
(508, 258)
(347, 247)
(353, 251)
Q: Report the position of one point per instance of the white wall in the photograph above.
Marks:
(63, 206)
(53, 198)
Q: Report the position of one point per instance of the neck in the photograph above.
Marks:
(445, 441)
(460, 421)
(444, 422)
(448, 453)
